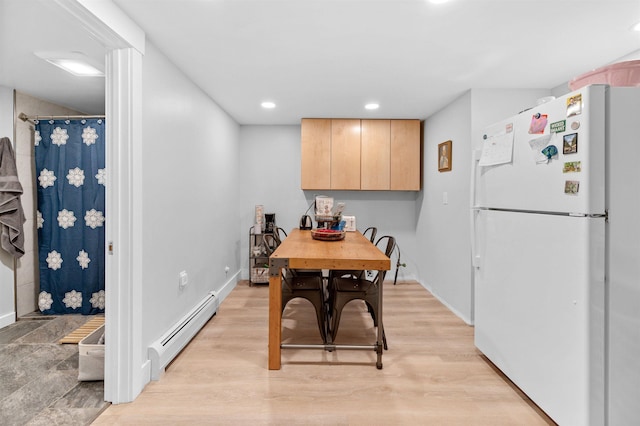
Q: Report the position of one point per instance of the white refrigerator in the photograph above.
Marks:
(556, 254)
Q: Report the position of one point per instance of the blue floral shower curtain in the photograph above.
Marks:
(70, 172)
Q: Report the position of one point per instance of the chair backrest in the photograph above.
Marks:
(389, 244)
(279, 234)
(270, 243)
(371, 230)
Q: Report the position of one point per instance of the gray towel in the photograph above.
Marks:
(11, 213)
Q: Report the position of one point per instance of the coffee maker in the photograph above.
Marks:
(270, 223)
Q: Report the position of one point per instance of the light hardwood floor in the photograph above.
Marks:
(432, 374)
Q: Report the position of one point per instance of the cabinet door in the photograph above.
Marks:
(405, 155)
(345, 154)
(375, 150)
(315, 153)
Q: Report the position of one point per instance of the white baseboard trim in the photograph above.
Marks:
(228, 286)
(165, 349)
(169, 345)
(7, 319)
(451, 308)
(145, 371)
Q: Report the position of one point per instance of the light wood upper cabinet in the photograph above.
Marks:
(375, 150)
(316, 153)
(353, 154)
(345, 154)
(405, 155)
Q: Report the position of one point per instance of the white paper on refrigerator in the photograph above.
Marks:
(537, 145)
(497, 149)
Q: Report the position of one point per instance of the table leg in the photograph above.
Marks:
(275, 319)
(379, 342)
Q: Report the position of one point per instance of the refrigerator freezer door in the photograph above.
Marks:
(539, 308)
(525, 184)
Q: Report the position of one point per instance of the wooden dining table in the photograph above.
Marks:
(300, 251)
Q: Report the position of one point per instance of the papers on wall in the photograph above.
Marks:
(497, 148)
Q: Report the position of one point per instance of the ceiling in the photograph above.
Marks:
(327, 58)
(28, 26)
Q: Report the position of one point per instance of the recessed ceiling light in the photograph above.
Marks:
(372, 106)
(76, 67)
(438, 1)
(75, 63)
(268, 105)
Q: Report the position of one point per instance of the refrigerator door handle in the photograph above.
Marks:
(475, 159)
(475, 257)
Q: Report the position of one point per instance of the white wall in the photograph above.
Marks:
(269, 157)
(6, 112)
(189, 195)
(444, 229)
(270, 175)
(7, 310)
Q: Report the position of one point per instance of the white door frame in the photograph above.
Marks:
(125, 361)
(123, 357)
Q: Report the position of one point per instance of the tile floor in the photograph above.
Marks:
(39, 377)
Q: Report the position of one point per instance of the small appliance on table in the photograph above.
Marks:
(330, 225)
(327, 217)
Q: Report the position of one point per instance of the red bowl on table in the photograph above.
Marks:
(327, 234)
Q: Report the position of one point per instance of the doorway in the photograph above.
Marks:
(89, 22)
(28, 288)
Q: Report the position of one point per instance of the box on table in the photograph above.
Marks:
(324, 205)
(91, 359)
(349, 223)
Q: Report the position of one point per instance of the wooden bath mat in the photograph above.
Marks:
(83, 331)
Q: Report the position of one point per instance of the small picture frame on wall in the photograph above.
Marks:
(444, 156)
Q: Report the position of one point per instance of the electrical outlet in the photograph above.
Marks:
(184, 279)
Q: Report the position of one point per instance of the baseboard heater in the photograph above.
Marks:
(165, 349)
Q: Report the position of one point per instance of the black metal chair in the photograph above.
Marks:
(371, 230)
(303, 284)
(351, 286)
(279, 234)
(369, 233)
